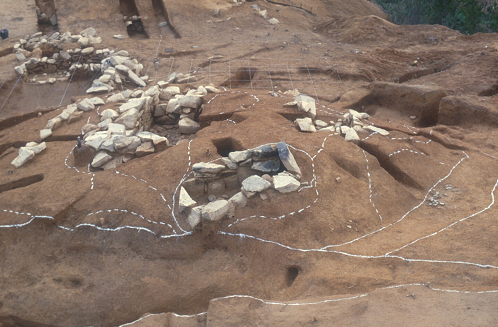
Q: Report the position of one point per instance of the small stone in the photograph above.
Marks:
(115, 98)
(87, 51)
(129, 118)
(413, 117)
(351, 135)
(287, 158)
(53, 123)
(94, 141)
(190, 101)
(216, 210)
(162, 84)
(109, 113)
(160, 143)
(75, 116)
(194, 218)
(255, 184)
(44, 133)
(306, 104)
(211, 197)
(144, 149)
(24, 156)
(134, 103)
(212, 89)
(96, 101)
(209, 168)
(185, 201)
(88, 128)
(285, 183)
(239, 156)
(359, 115)
(239, 200)
(100, 159)
(90, 31)
(273, 21)
(169, 92)
(188, 126)
(376, 129)
(118, 36)
(320, 123)
(229, 163)
(83, 41)
(86, 105)
(305, 125)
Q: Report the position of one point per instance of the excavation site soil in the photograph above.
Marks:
(251, 163)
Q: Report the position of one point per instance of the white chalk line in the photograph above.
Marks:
(158, 314)
(370, 187)
(324, 249)
(416, 152)
(453, 224)
(409, 211)
(290, 303)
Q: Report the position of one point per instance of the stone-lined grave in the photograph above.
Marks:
(243, 174)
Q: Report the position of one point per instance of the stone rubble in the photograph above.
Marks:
(27, 153)
(238, 175)
(350, 125)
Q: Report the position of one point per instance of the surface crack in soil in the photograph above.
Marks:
(16, 120)
(420, 73)
(396, 172)
(6, 51)
(22, 182)
(261, 50)
(6, 146)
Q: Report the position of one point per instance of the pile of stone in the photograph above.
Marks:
(114, 139)
(181, 109)
(72, 113)
(118, 69)
(181, 78)
(264, 14)
(303, 103)
(349, 126)
(27, 153)
(83, 58)
(113, 146)
(245, 173)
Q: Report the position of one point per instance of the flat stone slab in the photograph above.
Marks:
(255, 183)
(185, 201)
(287, 158)
(215, 210)
(285, 183)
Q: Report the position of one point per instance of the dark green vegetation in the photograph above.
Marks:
(466, 16)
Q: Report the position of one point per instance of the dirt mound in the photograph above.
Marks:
(360, 29)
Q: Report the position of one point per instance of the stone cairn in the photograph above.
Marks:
(122, 133)
(114, 139)
(349, 126)
(244, 174)
(83, 59)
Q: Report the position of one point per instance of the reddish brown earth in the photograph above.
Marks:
(367, 250)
